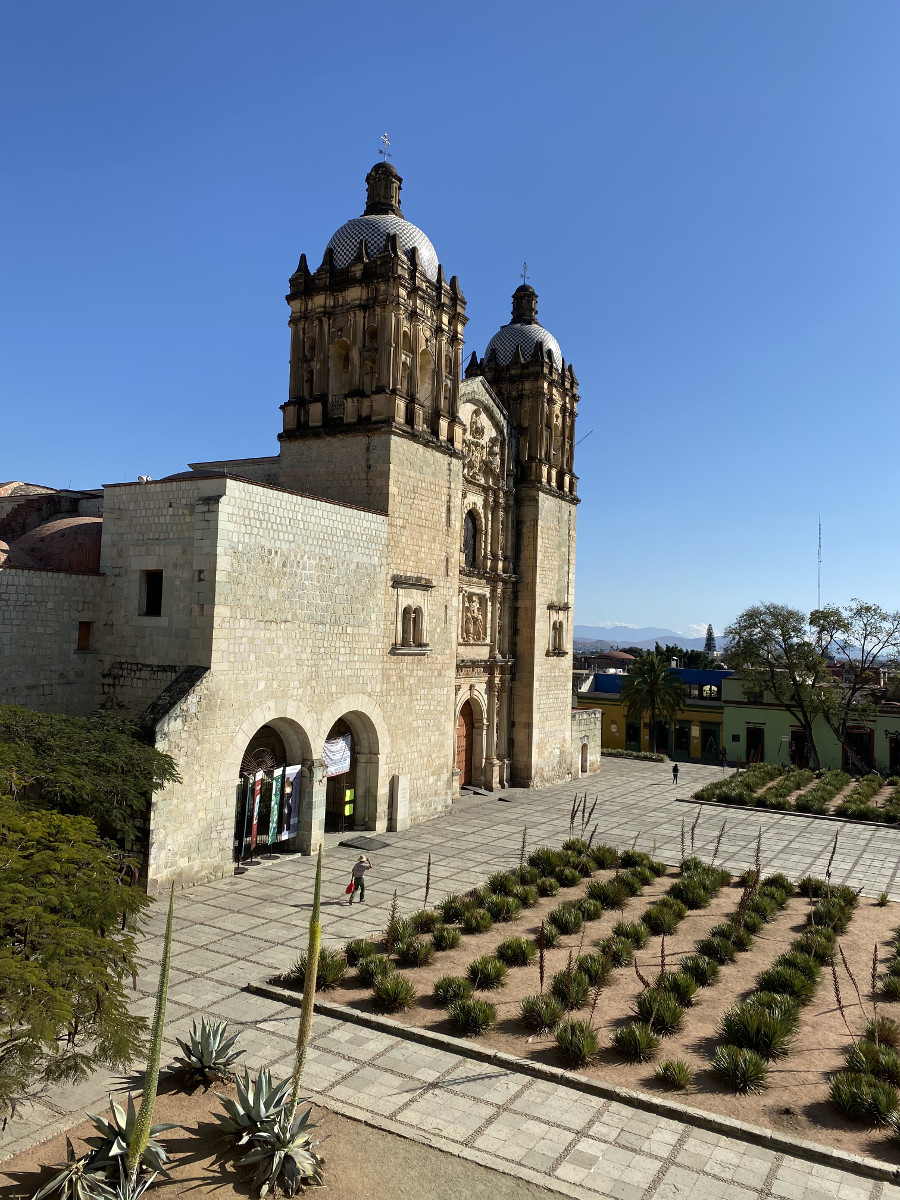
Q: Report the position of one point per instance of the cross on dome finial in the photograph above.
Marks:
(384, 147)
(524, 275)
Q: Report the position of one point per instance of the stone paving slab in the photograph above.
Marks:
(238, 928)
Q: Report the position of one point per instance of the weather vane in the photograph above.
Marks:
(384, 149)
(524, 275)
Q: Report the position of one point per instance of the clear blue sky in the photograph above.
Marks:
(706, 194)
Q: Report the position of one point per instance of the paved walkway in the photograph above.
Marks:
(240, 928)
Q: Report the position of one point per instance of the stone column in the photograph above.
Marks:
(503, 731)
(491, 765)
(313, 783)
(366, 791)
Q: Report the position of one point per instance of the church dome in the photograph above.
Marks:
(374, 231)
(523, 331)
(381, 219)
(63, 544)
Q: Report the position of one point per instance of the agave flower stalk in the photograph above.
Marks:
(309, 992)
(141, 1136)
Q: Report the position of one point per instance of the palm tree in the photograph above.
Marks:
(651, 686)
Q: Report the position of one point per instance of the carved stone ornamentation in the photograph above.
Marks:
(474, 617)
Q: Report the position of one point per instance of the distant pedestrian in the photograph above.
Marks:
(675, 773)
(358, 878)
(724, 756)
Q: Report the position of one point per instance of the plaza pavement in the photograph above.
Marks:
(238, 929)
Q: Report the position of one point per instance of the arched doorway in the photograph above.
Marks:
(339, 755)
(465, 742)
(584, 758)
(259, 792)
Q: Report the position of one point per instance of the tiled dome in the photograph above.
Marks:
(527, 337)
(374, 231)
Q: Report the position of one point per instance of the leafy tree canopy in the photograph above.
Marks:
(695, 659)
(99, 766)
(68, 916)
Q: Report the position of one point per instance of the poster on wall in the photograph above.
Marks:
(290, 803)
(275, 806)
(257, 792)
(336, 755)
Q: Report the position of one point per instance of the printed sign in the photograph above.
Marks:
(275, 806)
(336, 755)
(290, 802)
(257, 791)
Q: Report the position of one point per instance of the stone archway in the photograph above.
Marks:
(364, 775)
(470, 739)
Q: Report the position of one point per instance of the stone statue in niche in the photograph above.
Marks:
(474, 625)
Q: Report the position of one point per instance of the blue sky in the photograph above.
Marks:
(706, 194)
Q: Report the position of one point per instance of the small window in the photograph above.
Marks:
(470, 539)
(710, 691)
(84, 635)
(153, 593)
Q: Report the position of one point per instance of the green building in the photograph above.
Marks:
(760, 730)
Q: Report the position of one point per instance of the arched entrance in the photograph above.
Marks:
(259, 793)
(351, 757)
(340, 762)
(584, 758)
(465, 742)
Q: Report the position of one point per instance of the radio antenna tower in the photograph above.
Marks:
(819, 577)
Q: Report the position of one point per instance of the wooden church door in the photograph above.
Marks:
(464, 738)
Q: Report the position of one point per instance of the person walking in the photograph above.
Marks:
(358, 878)
(675, 774)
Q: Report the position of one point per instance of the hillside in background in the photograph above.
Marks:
(590, 639)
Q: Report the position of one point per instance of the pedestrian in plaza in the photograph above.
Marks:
(675, 774)
(358, 878)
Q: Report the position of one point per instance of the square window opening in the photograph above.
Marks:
(84, 635)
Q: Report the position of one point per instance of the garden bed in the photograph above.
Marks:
(869, 799)
(796, 1098)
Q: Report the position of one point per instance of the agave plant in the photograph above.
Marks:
(286, 1150)
(260, 1104)
(131, 1187)
(78, 1179)
(207, 1055)
(116, 1136)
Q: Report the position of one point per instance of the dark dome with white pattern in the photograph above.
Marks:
(523, 331)
(374, 231)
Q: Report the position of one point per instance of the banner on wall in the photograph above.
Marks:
(257, 792)
(290, 802)
(275, 806)
(336, 755)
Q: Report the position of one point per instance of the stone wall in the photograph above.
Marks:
(40, 666)
(586, 731)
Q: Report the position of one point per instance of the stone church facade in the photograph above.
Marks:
(400, 574)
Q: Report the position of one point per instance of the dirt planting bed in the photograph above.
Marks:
(795, 1099)
(821, 794)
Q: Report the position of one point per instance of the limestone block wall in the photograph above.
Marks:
(425, 511)
(40, 666)
(541, 730)
(586, 732)
(169, 526)
(297, 642)
(351, 467)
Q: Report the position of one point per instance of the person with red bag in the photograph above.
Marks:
(358, 879)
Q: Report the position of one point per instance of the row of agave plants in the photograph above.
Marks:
(866, 1090)
(265, 1127)
(787, 789)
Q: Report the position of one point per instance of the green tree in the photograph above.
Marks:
(100, 767)
(696, 659)
(652, 687)
(772, 651)
(709, 645)
(865, 642)
(68, 919)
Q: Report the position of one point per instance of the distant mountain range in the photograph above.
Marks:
(599, 637)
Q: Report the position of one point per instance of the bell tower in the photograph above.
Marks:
(524, 366)
(376, 329)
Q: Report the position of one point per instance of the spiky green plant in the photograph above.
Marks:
(450, 988)
(285, 1153)
(743, 1070)
(304, 1027)
(516, 951)
(541, 1012)
(445, 937)
(577, 1041)
(79, 1178)
(139, 1142)
(674, 1073)
(259, 1103)
(117, 1136)
(470, 1017)
(207, 1055)
(636, 1042)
